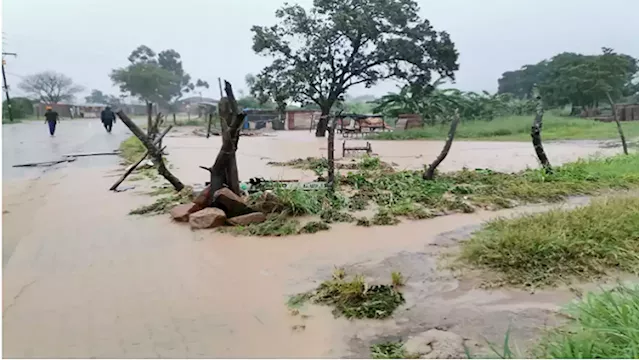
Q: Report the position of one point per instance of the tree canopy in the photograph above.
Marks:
(155, 77)
(322, 52)
(575, 79)
(50, 87)
(98, 97)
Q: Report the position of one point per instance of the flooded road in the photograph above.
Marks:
(30, 142)
(87, 280)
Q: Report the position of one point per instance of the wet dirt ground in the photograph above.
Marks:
(84, 279)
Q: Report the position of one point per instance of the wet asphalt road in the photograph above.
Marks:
(30, 142)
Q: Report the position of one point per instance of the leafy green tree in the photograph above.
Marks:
(155, 78)
(322, 52)
(21, 108)
(50, 87)
(520, 83)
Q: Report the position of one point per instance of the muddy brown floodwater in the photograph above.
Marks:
(84, 279)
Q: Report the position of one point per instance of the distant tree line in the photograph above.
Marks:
(582, 81)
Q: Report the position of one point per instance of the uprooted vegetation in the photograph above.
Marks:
(165, 203)
(131, 149)
(406, 194)
(559, 245)
(353, 298)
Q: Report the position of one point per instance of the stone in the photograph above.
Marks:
(201, 198)
(247, 219)
(436, 344)
(181, 212)
(207, 218)
(232, 204)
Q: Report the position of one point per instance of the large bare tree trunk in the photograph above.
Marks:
(154, 152)
(535, 137)
(224, 170)
(615, 118)
(431, 170)
(331, 178)
(149, 117)
(321, 127)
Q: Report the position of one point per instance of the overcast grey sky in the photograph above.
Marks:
(85, 39)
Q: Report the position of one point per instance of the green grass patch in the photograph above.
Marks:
(275, 225)
(604, 326)
(559, 245)
(518, 128)
(353, 298)
(313, 227)
(132, 149)
(390, 350)
(164, 204)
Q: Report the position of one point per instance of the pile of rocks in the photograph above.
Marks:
(228, 208)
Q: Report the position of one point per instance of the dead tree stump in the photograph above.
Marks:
(536, 128)
(224, 171)
(615, 118)
(431, 170)
(154, 151)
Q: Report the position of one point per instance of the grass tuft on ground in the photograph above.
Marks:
(559, 245)
(164, 204)
(517, 128)
(353, 298)
(275, 225)
(132, 149)
(390, 350)
(604, 326)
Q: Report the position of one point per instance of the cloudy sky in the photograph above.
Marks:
(85, 39)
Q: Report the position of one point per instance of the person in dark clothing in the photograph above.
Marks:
(52, 118)
(108, 118)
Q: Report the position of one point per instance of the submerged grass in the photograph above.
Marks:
(164, 204)
(313, 227)
(604, 326)
(559, 245)
(275, 225)
(518, 128)
(353, 298)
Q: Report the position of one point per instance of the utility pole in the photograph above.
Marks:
(6, 87)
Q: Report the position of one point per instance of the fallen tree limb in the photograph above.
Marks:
(128, 172)
(154, 152)
(535, 135)
(615, 118)
(431, 170)
(135, 165)
(46, 163)
(114, 152)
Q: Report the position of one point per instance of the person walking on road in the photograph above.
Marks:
(108, 118)
(52, 118)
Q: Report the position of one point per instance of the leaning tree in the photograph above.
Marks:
(322, 52)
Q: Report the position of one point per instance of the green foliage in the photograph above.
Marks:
(132, 149)
(390, 350)
(50, 87)
(516, 128)
(98, 97)
(165, 204)
(275, 225)
(384, 217)
(20, 108)
(604, 326)
(436, 105)
(321, 53)
(559, 245)
(575, 79)
(354, 298)
(156, 78)
(313, 227)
